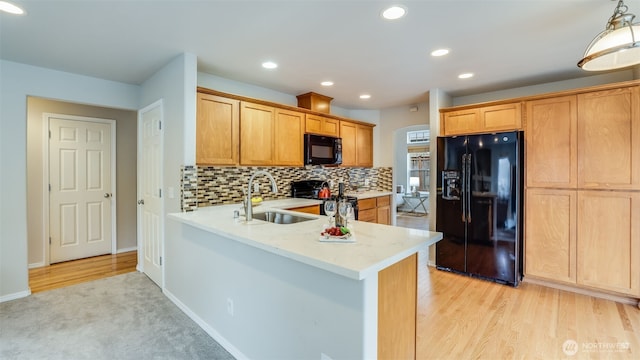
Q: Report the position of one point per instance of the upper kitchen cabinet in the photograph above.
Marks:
(357, 144)
(257, 134)
(551, 142)
(217, 130)
(289, 139)
(321, 125)
(609, 139)
(502, 117)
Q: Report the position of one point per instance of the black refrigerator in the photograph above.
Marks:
(479, 206)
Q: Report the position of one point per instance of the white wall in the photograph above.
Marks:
(394, 120)
(283, 309)
(175, 84)
(17, 82)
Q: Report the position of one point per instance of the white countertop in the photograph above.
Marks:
(376, 247)
(368, 194)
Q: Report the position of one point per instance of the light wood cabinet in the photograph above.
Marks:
(550, 246)
(357, 144)
(609, 139)
(236, 130)
(582, 200)
(397, 309)
(270, 136)
(321, 125)
(217, 130)
(289, 138)
(383, 210)
(367, 210)
(503, 117)
(551, 142)
(609, 240)
(375, 210)
(256, 134)
(312, 209)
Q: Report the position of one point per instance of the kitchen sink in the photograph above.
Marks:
(280, 218)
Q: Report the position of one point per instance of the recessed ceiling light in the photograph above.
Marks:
(440, 52)
(10, 8)
(465, 76)
(269, 65)
(327, 83)
(365, 96)
(394, 12)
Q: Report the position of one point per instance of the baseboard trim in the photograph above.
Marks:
(36, 265)
(597, 294)
(215, 335)
(135, 248)
(14, 296)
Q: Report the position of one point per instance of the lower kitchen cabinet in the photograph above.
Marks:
(586, 238)
(550, 245)
(376, 210)
(313, 209)
(609, 241)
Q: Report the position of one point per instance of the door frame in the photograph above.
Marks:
(45, 178)
(139, 192)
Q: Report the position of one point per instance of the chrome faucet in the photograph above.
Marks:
(249, 206)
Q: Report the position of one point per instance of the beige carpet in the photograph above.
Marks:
(121, 317)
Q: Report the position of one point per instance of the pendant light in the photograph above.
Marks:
(617, 46)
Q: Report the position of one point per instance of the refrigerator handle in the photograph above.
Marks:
(468, 191)
(463, 194)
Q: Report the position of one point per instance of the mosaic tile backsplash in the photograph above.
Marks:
(215, 185)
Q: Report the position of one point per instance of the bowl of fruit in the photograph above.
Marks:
(336, 233)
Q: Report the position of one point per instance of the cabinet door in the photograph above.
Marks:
(256, 134)
(289, 138)
(321, 125)
(364, 146)
(460, 122)
(383, 213)
(217, 129)
(348, 133)
(504, 117)
(550, 236)
(609, 139)
(551, 142)
(609, 240)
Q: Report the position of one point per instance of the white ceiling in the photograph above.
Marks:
(506, 43)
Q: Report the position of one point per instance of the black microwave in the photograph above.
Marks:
(322, 150)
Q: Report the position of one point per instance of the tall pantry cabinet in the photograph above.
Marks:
(582, 206)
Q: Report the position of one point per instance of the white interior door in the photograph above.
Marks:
(80, 180)
(150, 205)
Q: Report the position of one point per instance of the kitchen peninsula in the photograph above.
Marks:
(267, 291)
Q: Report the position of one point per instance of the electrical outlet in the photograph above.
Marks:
(230, 306)
(324, 356)
(256, 187)
(366, 182)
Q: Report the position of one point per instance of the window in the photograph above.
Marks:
(418, 158)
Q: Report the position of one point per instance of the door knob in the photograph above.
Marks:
(107, 195)
(141, 202)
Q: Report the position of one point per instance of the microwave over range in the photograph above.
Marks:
(322, 150)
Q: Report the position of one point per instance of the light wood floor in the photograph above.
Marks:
(412, 221)
(465, 318)
(461, 317)
(83, 270)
